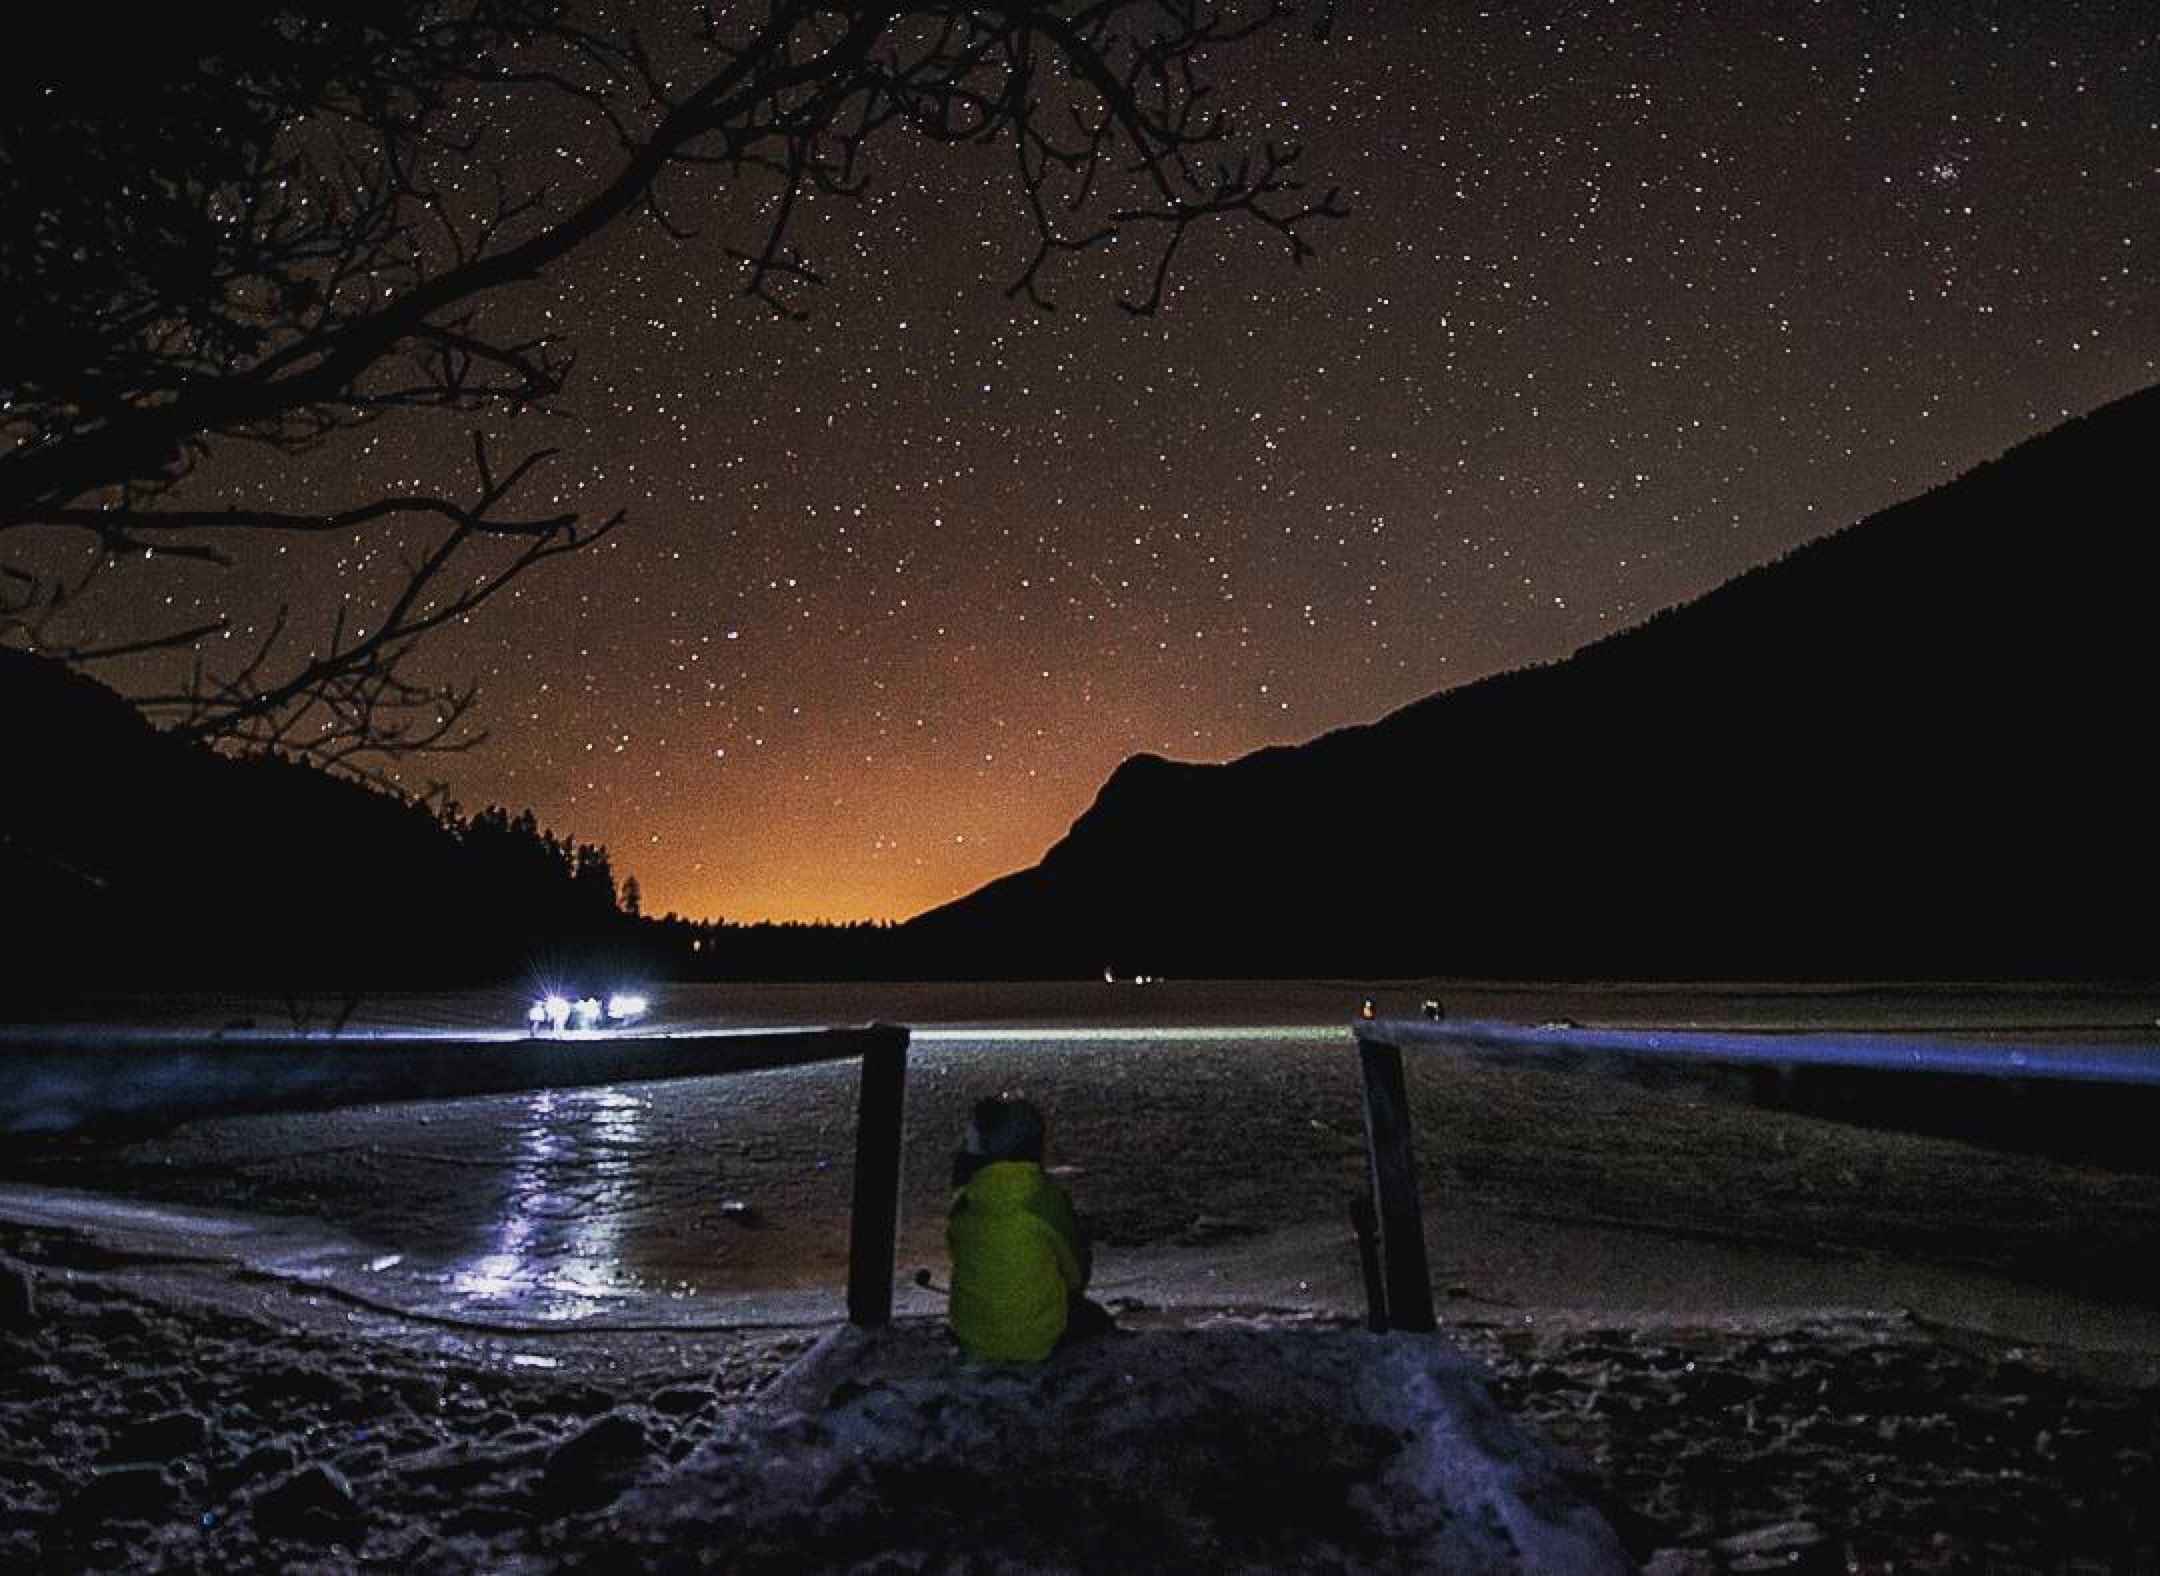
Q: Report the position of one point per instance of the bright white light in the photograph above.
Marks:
(558, 1012)
(623, 1006)
(588, 1011)
(537, 1015)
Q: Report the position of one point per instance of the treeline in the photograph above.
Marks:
(683, 949)
(686, 949)
(132, 861)
(521, 863)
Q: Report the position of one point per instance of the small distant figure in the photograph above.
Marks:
(1367, 1010)
(1020, 1260)
(1433, 1009)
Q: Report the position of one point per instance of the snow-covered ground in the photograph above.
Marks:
(570, 1255)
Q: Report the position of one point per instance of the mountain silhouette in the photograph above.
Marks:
(132, 859)
(1910, 749)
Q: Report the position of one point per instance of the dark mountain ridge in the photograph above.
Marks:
(132, 859)
(1909, 749)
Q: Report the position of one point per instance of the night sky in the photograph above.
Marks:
(1632, 297)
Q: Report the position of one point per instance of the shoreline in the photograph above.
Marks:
(2044, 1007)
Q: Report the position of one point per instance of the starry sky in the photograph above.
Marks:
(1633, 296)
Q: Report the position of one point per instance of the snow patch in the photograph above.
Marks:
(1208, 1449)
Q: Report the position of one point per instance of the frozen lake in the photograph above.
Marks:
(1212, 1133)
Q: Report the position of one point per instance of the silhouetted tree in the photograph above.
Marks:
(271, 224)
(592, 881)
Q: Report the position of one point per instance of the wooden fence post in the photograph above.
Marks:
(874, 1227)
(1367, 1226)
(1395, 1191)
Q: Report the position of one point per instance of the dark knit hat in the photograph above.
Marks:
(1005, 1129)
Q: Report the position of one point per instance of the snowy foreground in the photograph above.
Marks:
(1176, 1450)
(545, 1330)
(156, 1418)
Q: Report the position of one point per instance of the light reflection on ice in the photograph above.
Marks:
(555, 1251)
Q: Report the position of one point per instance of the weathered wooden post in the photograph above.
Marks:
(1367, 1226)
(1394, 1177)
(875, 1224)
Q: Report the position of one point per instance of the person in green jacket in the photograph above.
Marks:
(1020, 1260)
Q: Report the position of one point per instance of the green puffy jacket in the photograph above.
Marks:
(1018, 1258)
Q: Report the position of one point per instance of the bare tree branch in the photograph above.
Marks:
(274, 225)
